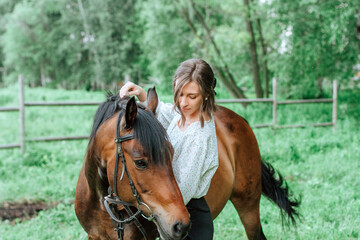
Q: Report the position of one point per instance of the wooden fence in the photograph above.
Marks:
(275, 103)
(273, 100)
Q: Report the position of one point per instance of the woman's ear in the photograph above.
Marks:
(152, 99)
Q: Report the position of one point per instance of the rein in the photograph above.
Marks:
(111, 200)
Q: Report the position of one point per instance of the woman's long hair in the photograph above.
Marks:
(199, 71)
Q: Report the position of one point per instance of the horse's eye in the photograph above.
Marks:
(142, 163)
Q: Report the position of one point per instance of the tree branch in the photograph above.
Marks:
(229, 82)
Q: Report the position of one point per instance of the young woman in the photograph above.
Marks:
(191, 129)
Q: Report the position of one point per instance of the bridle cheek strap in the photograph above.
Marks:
(113, 199)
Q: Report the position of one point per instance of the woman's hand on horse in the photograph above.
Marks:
(131, 89)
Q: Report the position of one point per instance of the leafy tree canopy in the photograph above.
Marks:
(93, 44)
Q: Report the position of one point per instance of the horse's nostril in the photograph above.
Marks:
(179, 230)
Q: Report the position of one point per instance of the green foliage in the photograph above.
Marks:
(321, 43)
(166, 47)
(163, 47)
(89, 44)
(41, 162)
(55, 42)
(351, 101)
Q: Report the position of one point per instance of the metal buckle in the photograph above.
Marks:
(151, 217)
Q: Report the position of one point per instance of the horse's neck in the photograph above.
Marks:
(95, 173)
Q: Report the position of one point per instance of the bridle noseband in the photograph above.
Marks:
(111, 200)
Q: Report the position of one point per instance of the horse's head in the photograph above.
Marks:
(141, 156)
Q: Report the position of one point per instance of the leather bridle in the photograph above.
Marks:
(112, 200)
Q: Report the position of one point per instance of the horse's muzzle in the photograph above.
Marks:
(177, 231)
(180, 230)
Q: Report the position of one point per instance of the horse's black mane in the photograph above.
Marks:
(105, 111)
(147, 129)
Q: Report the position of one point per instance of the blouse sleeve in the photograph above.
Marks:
(199, 168)
(165, 113)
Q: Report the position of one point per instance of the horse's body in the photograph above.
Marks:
(238, 177)
(241, 178)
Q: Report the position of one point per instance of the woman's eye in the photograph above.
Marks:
(142, 164)
(192, 97)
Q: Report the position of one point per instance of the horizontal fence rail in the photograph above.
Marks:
(9, 109)
(273, 101)
(8, 146)
(57, 104)
(244, 100)
(326, 124)
(326, 100)
(50, 139)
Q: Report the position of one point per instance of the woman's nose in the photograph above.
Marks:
(182, 101)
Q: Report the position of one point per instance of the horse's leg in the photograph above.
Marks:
(250, 217)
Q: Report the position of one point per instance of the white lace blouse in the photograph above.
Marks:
(195, 152)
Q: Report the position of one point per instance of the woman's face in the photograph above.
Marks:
(190, 100)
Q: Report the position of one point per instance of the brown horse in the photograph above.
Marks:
(241, 177)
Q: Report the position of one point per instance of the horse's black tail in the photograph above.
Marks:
(273, 189)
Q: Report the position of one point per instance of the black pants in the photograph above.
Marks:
(202, 227)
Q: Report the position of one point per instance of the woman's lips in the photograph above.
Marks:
(184, 109)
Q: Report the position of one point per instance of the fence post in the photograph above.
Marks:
(274, 103)
(22, 113)
(334, 112)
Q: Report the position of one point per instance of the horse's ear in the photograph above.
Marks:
(130, 113)
(152, 99)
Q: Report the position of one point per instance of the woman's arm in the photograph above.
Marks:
(164, 111)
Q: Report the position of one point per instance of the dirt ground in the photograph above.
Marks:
(21, 211)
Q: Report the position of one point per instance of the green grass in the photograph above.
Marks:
(319, 164)
(322, 167)
(57, 223)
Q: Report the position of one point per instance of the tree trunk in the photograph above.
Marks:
(264, 57)
(98, 71)
(42, 75)
(254, 59)
(229, 85)
(223, 72)
(319, 83)
(357, 26)
(218, 70)
(3, 76)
